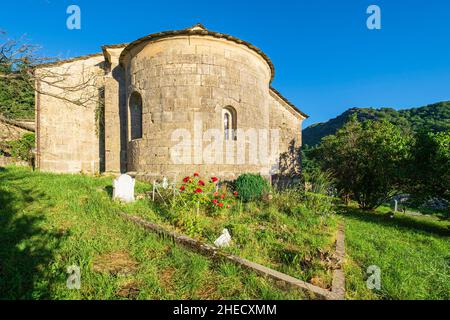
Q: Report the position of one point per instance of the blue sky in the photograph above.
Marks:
(326, 59)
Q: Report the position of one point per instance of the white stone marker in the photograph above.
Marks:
(124, 188)
(223, 240)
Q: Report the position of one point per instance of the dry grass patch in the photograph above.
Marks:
(115, 263)
(166, 278)
(207, 291)
(129, 289)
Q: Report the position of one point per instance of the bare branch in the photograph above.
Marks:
(18, 62)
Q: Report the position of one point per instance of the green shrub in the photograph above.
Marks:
(190, 223)
(319, 191)
(317, 181)
(319, 203)
(22, 148)
(251, 186)
(286, 200)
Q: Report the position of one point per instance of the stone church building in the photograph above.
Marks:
(127, 108)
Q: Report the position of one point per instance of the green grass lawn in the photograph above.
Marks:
(49, 222)
(412, 252)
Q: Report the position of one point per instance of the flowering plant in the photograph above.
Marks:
(221, 201)
(196, 191)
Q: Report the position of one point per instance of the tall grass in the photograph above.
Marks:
(49, 222)
(288, 231)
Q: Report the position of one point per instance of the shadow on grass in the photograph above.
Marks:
(109, 190)
(398, 221)
(27, 249)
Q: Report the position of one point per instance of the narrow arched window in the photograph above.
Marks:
(229, 123)
(135, 116)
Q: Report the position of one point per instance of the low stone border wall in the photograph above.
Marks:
(5, 161)
(338, 285)
(311, 291)
(26, 125)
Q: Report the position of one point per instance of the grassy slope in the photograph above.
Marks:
(295, 243)
(49, 222)
(413, 254)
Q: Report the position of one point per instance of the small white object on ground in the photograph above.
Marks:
(124, 188)
(223, 240)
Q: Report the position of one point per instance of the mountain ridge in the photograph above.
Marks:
(432, 117)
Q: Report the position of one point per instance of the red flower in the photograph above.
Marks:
(215, 201)
(235, 193)
(216, 194)
(182, 188)
(201, 183)
(220, 204)
(198, 190)
(214, 179)
(222, 196)
(196, 174)
(186, 179)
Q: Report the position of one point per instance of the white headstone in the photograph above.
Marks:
(223, 240)
(124, 188)
(165, 183)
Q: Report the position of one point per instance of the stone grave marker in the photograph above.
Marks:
(223, 240)
(124, 188)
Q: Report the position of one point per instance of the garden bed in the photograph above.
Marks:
(283, 233)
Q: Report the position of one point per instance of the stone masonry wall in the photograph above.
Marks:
(115, 113)
(185, 83)
(289, 123)
(187, 79)
(67, 133)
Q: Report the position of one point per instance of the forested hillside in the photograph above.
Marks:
(434, 117)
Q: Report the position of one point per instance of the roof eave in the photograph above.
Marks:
(297, 110)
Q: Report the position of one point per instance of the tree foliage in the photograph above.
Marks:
(19, 72)
(366, 160)
(429, 169)
(16, 80)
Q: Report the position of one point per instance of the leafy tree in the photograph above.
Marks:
(366, 160)
(309, 164)
(429, 170)
(16, 80)
(18, 74)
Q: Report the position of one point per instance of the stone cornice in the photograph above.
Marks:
(61, 62)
